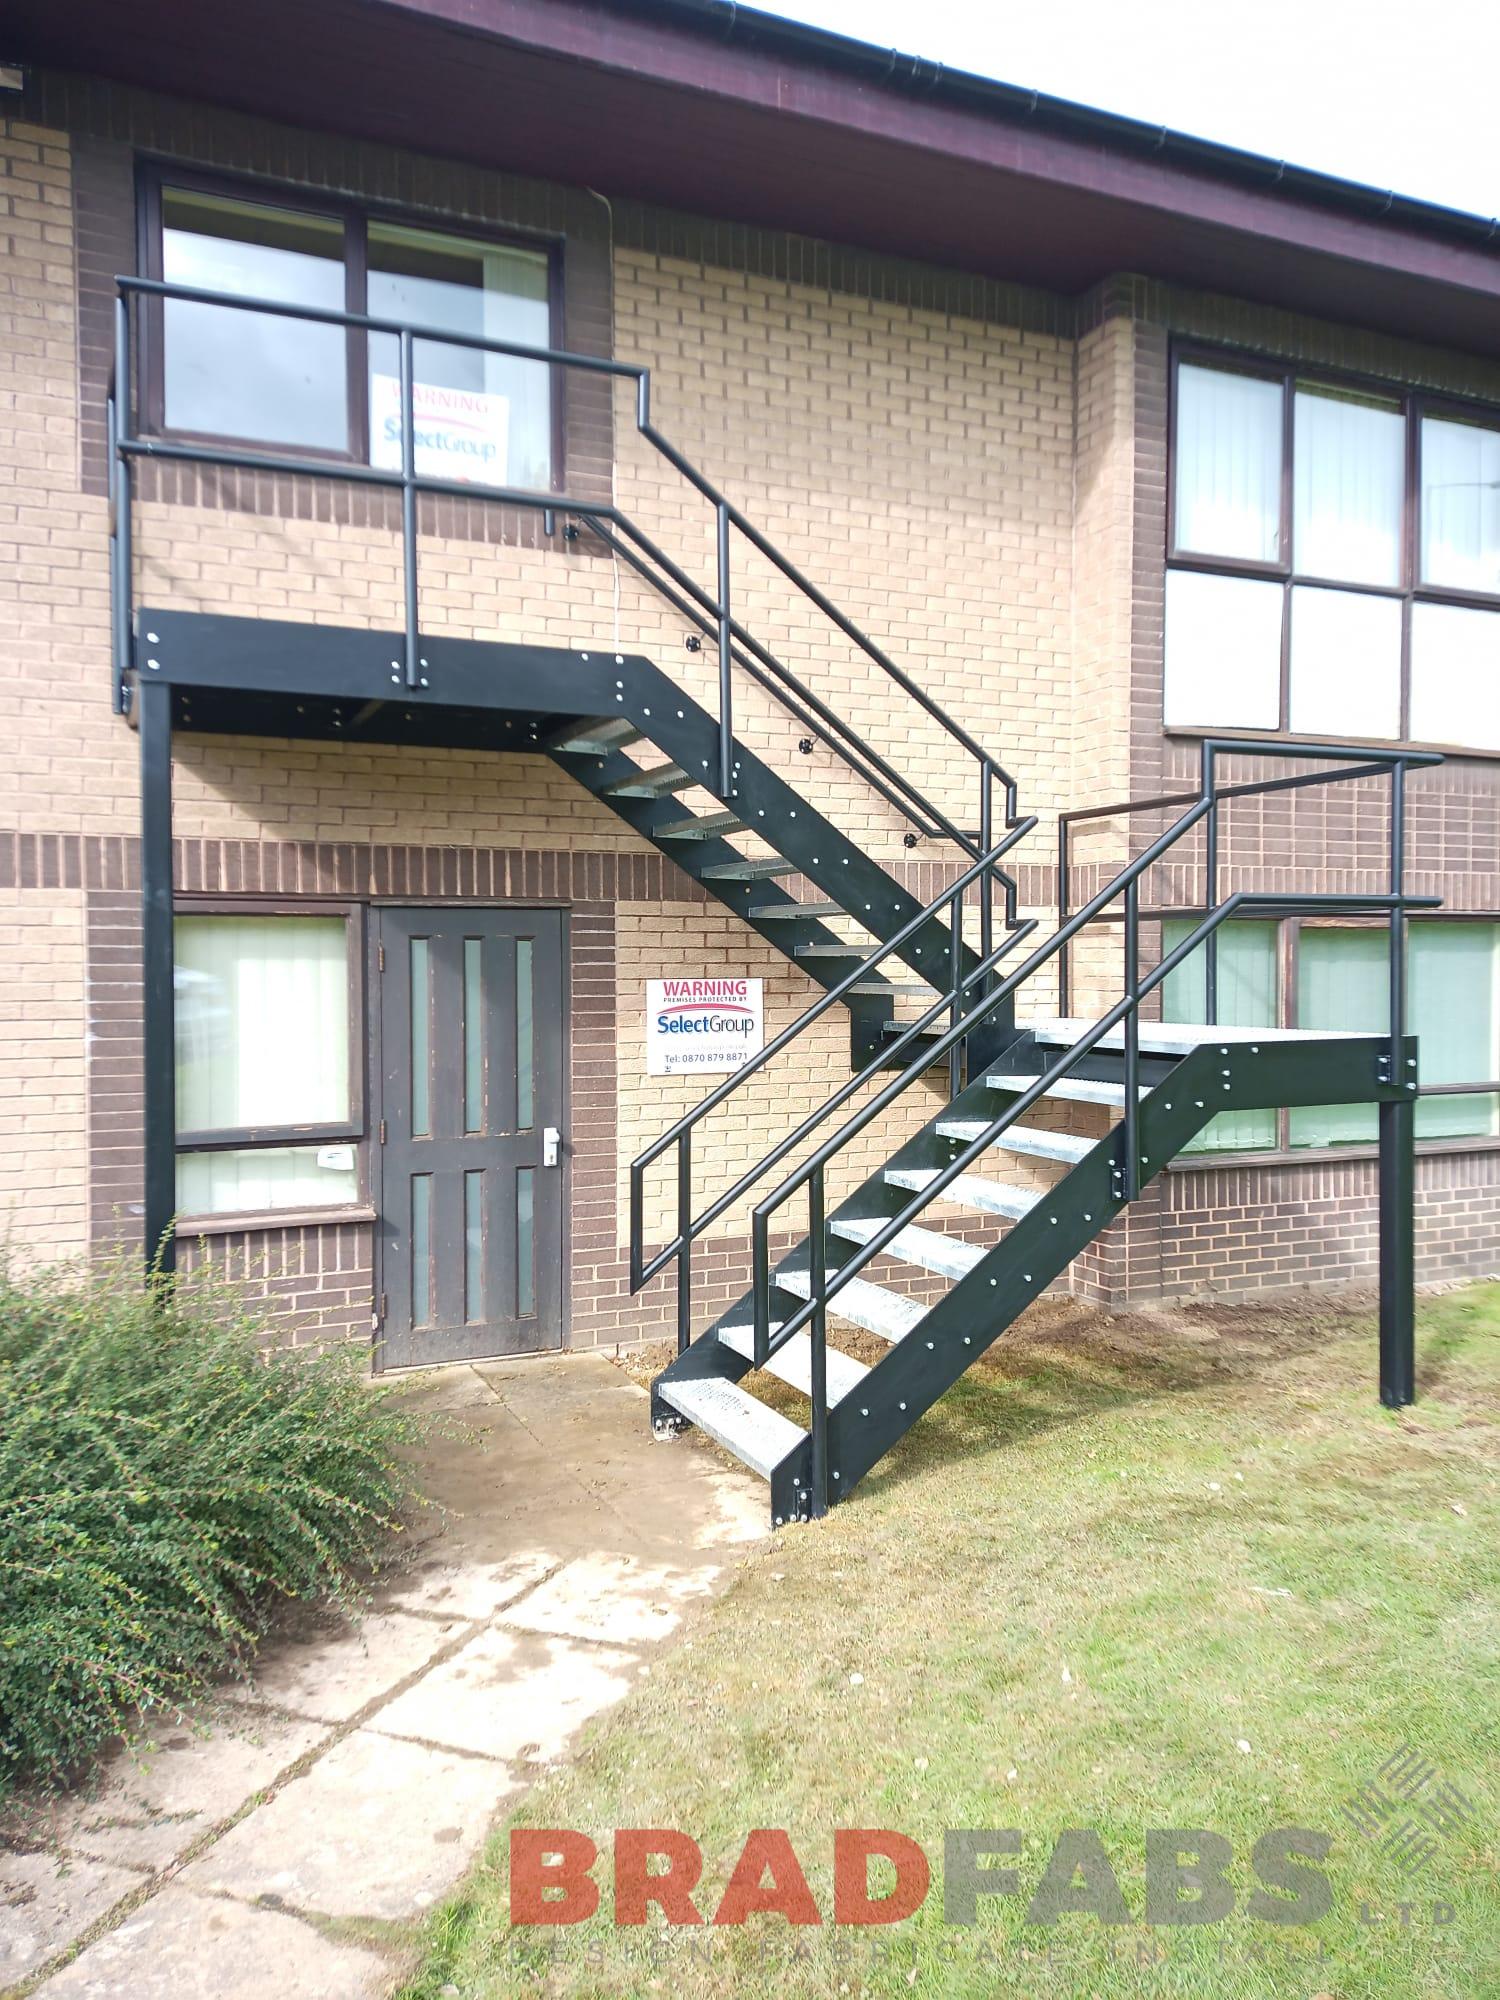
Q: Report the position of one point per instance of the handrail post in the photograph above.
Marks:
(760, 1284)
(121, 490)
(684, 1242)
(1210, 888)
(1132, 1039)
(409, 507)
(986, 881)
(955, 976)
(1398, 921)
(1065, 949)
(818, 1356)
(726, 660)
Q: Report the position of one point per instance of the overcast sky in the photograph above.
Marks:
(1399, 96)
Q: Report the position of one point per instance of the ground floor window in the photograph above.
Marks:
(267, 1088)
(1335, 976)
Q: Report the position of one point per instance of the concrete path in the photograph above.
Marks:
(356, 1779)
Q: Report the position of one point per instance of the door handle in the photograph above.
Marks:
(551, 1146)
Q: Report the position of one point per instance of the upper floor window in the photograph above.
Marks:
(228, 373)
(1333, 560)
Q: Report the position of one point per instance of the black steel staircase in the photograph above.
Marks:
(990, 1199)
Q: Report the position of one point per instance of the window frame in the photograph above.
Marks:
(1415, 405)
(264, 1138)
(355, 217)
(1284, 1153)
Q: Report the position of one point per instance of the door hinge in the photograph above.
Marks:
(384, 1304)
(382, 1131)
(380, 956)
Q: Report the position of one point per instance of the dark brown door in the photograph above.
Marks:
(471, 1110)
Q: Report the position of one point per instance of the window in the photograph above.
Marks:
(1334, 560)
(224, 372)
(1337, 977)
(266, 1093)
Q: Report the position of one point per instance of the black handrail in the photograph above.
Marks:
(689, 1227)
(126, 445)
(1126, 1171)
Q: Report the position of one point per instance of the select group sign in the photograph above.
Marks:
(456, 433)
(702, 1024)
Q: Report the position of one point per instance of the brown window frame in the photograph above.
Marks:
(1288, 939)
(355, 218)
(264, 1138)
(1415, 405)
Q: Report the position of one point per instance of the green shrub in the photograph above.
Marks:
(163, 1482)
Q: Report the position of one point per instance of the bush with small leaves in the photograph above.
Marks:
(165, 1480)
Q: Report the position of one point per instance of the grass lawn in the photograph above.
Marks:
(1163, 1570)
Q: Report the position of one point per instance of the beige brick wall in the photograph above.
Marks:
(43, 1153)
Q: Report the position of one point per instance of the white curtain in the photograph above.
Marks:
(1348, 483)
(1454, 1009)
(1343, 985)
(1223, 651)
(262, 1022)
(263, 1179)
(1455, 675)
(1228, 464)
(1460, 505)
(1345, 663)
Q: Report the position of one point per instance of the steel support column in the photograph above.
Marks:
(1397, 1257)
(153, 707)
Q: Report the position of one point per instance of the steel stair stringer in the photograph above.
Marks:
(919, 1367)
(775, 812)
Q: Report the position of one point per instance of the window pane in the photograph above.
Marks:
(1223, 652)
(240, 374)
(262, 1008)
(421, 1249)
(1228, 464)
(1345, 664)
(1460, 505)
(421, 1038)
(1343, 984)
(485, 417)
(1248, 996)
(473, 1035)
(266, 1178)
(525, 1039)
(1349, 481)
(525, 1243)
(474, 1246)
(1455, 675)
(1454, 1007)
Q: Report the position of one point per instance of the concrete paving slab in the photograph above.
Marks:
(186, 1947)
(464, 1589)
(613, 1598)
(377, 1828)
(150, 1806)
(517, 1695)
(330, 1673)
(45, 1902)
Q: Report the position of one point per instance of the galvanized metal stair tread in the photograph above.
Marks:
(1079, 1089)
(841, 950)
(1019, 1139)
(602, 732)
(753, 869)
(755, 1433)
(653, 784)
(904, 992)
(862, 1304)
(970, 1191)
(772, 911)
(707, 826)
(945, 1255)
(792, 1363)
(1178, 1038)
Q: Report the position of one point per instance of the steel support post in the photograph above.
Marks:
(1397, 1254)
(153, 704)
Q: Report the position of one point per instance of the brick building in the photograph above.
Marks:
(1112, 442)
